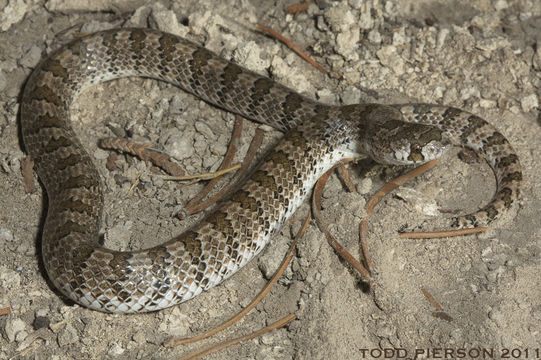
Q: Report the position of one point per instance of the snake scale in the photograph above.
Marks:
(316, 137)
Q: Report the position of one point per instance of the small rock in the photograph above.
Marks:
(68, 335)
(399, 37)
(442, 35)
(321, 24)
(326, 96)
(119, 235)
(346, 43)
(388, 56)
(365, 21)
(21, 335)
(205, 130)
(167, 20)
(13, 327)
(175, 323)
(6, 235)
(41, 322)
(500, 5)
(365, 186)
(374, 36)
(14, 12)
(356, 4)
(139, 337)
(116, 349)
(487, 104)
(529, 102)
(249, 55)
(340, 18)
(31, 57)
(351, 95)
(179, 146)
(288, 75)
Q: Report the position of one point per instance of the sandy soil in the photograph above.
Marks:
(483, 56)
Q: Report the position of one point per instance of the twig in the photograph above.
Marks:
(340, 250)
(431, 299)
(439, 313)
(390, 186)
(298, 50)
(228, 159)
(140, 150)
(192, 208)
(214, 348)
(26, 170)
(441, 234)
(345, 176)
(205, 176)
(362, 240)
(298, 7)
(5, 311)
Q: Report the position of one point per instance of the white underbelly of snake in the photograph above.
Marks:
(316, 137)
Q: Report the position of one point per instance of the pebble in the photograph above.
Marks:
(13, 12)
(374, 36)
(31, 57)
(351, 95)
(487, 104)
(6, 235)
(205, 130)
(388, 56)
(179, 145)
(364, 186)
(340, 18)
(529, 102)
(68, 335)
(249, 55)
(346, 43)
(13, 327)
(175, 323)
(167, 20)
(115, 349)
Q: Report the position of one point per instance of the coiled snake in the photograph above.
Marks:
(316, 137)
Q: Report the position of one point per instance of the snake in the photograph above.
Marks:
(316, 137)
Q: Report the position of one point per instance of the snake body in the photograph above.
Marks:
(316, 137)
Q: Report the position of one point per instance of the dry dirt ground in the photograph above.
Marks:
(483, 56)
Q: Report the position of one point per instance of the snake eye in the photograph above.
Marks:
(415, 148)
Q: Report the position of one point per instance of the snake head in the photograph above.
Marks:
(388, 139)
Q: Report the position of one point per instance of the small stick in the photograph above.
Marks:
(205, 176)
(341, 251)
(140, 150)
(390, 186)
(431, 299)
(214, 348)
(298, 7)
(441, 234)
(257, 299)
(26, 170)
(191, 208)
(439, 313)
(345, 176)
(5, 311)
(297, 50)
(228, 159)
(362, 240)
